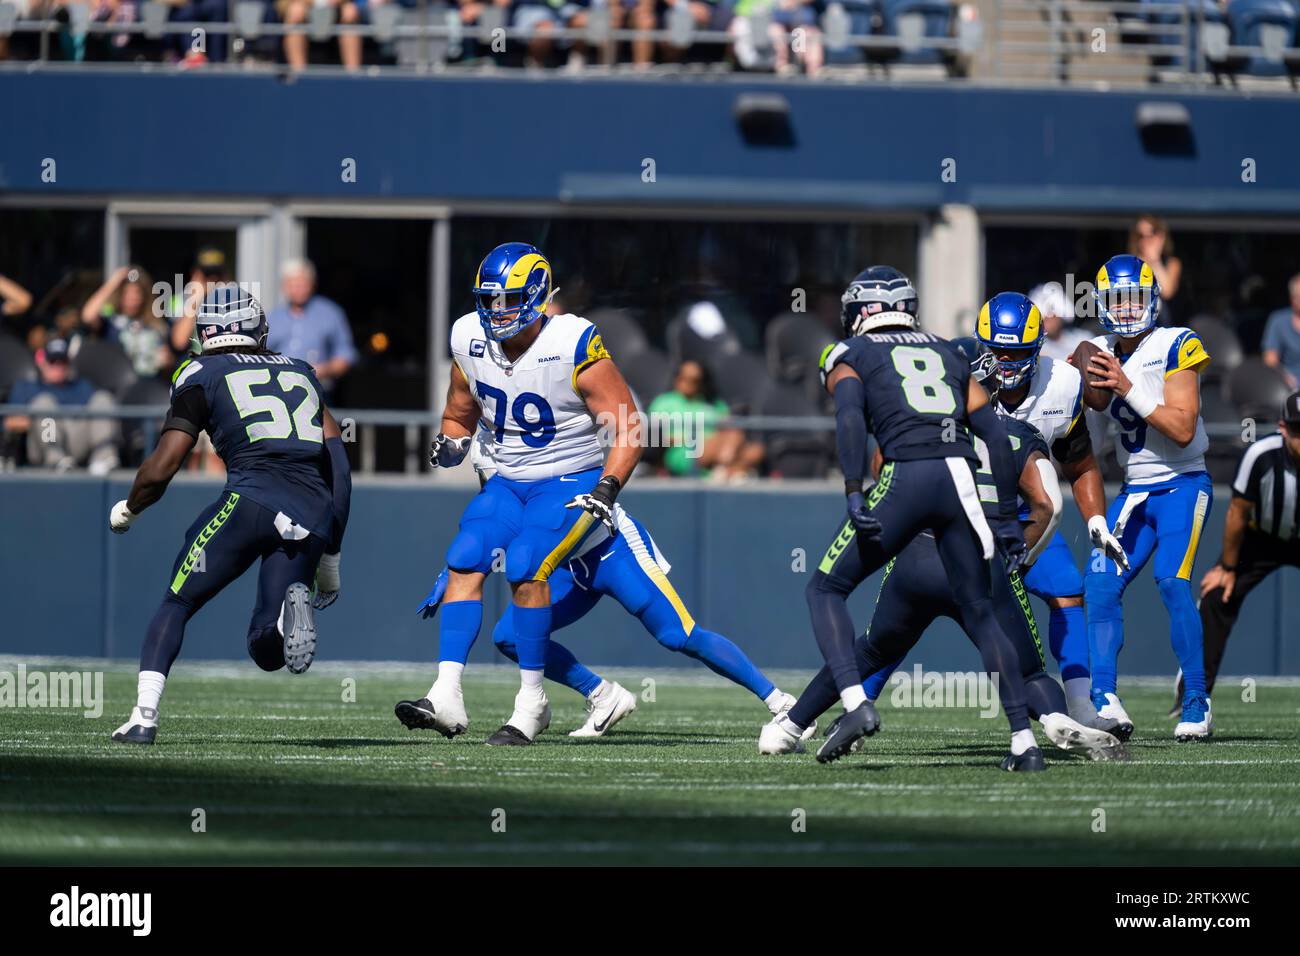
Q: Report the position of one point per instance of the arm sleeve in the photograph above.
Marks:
(188, 412)
(851, 431)
(341, 482)
(986, 424)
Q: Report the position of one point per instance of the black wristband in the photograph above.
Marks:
(1228, 567)
(853, 487)
(607, 489)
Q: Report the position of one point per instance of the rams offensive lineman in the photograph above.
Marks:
(286, 500)
(1154, 377)
(1048, 394)
(914, 391)
(632, 570)
(539, 383)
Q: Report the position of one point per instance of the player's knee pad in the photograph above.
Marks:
(266, 647)
(1102, 593)
(469, 552)
(520, 563)
(1176, 593)
(670, 633)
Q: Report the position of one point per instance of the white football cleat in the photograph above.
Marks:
(531, 716)
(608, 704)
(297, 626)
(1114, 710)
(782, 707)
(1197, 722)
(778, 737)
(1068, 734)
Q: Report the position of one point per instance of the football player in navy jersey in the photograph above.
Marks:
(286, 500)
(914, 392)
(916, 592)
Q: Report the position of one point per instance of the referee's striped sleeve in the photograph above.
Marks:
(1241, 484)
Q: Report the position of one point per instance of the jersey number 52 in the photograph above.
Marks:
(281, 424)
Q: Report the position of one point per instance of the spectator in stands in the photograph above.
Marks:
(1150, 241)
(1060, 338)
(61, 443)
(311, 327)
(126, 310)
(538, 19)
(657, 14)
(1281, 345)
(209, 267)
(688, 416)
(211, 47)
(347, 12)
(14, 299)
(786, 16)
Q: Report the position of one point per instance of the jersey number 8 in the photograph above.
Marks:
(281, 424)
(922, 371)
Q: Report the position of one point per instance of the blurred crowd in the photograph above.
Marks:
(791, 42)
(699, 356)
(121, 346)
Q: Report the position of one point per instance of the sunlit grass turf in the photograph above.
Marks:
(289, 773)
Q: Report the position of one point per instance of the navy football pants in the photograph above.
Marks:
(224, 541)
(911, 497)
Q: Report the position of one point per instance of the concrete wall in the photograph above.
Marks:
(68, 586)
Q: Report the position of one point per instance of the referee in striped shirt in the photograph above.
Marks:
(1259, 535)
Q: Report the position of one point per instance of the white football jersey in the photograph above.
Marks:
(539, 423)
(1146, 455)
(1054, 401)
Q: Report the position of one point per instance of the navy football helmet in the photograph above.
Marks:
(878, 297)
(229, 317)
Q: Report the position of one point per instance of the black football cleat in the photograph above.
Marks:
(136, 734)
(1031, 761)
(419, 715)
(862, 721)
(509, 736)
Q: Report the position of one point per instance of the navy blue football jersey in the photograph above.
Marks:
(264, 415)
(1025, 440)
(916, 392)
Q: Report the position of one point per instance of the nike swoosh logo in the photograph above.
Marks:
(562, 478)
(600, 727)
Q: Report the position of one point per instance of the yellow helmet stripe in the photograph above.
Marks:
(1033, 326)
(984, 325)
(1103, 279)
(524, 268)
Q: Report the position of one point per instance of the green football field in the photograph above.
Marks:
(285, 771)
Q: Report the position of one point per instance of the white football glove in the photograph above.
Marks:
(1106, 542)
(327, 581)
(447, 452)
(120, 518)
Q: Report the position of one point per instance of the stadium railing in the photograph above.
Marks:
(1004, 41)
(363, 424)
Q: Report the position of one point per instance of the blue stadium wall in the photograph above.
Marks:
(584, 141)
(68, 586)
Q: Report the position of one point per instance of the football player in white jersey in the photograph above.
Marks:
(541, 384)
(1048, 394)
(632, 570)
(1154, 377)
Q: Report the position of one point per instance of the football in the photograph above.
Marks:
(1094, 396)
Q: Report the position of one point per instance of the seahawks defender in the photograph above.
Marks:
(539, 383)
(1048, 394)
(915, 393)
(916, 591)
(1154, 376)
(631, 569)
(286, 500)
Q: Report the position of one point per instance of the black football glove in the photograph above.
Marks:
(447, 452)
(1010, 539)
(599, 502)
(860, 516)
